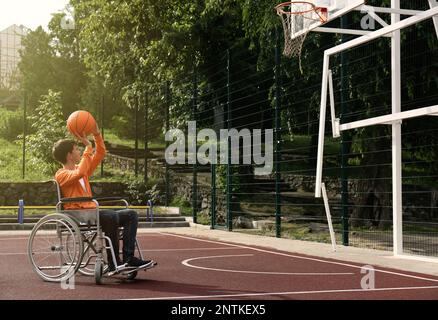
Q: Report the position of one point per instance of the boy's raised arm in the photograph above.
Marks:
(99, 153)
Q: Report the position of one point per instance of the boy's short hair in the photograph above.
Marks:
(62, 148)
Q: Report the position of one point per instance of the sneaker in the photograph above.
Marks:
(138, 263)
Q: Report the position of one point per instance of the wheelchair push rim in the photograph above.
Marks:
(47, 248)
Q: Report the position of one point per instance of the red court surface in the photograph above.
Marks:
(193, 268)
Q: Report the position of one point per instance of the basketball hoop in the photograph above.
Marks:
(296, 17)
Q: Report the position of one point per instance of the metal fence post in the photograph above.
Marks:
(24, 132)
(213, 196)
(228, 116)
(102, 108)
(344, 146)
(146, 111)
(277, 133)
(195, 168)
(168, 101)
(136, 106)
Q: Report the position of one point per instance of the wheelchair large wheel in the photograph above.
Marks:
(47, 248)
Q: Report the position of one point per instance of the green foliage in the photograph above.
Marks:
(221, 182)
(49, 126)
(140, 192)
(11, 123)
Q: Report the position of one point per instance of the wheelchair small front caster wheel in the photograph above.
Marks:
(132, 275)
(98, 271)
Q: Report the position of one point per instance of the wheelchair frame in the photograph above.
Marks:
(78, 235)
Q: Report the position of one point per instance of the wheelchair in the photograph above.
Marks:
(70, 241)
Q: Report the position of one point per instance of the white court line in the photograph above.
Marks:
(146, 250)
(7, 239)
(304, 258)
(285, 293)
(186, 263)
(190, 249)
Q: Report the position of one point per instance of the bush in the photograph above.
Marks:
(184, 205)
(11, 124)
(140, 193)
(221, 176)
(121, 127)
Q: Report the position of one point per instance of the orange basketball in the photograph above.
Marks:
(80, 122)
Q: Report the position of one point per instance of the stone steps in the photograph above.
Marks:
(164, 217)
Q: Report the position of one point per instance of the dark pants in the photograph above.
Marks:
(111, 220)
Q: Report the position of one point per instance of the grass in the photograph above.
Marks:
(295, 231)
(11, 165)
(300, 144)
(113, 138)
(112, 175)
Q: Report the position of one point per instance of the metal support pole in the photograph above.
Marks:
(24, 132)
(396, 136)
(228, 116)
(277, 130)
(195, 168)
(167, 142)
(320, 156)
(146, 111)
(344, 146)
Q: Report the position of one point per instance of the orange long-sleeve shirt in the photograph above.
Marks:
(75, 183)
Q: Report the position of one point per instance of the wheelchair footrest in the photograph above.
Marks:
(127, 270)
(145, 267)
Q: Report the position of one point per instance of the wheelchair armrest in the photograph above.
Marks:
(112, 200)
(78, 199)
(94, 199)
(108, 199)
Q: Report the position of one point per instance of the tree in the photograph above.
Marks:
(70, 73)
(52, 61)
(49, 126)
(37, 65)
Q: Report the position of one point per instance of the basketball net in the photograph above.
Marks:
(296, 17)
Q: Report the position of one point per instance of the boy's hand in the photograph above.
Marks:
(85, 140)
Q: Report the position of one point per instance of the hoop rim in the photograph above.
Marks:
(280, 11)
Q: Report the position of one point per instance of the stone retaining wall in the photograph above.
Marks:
(44, 193)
